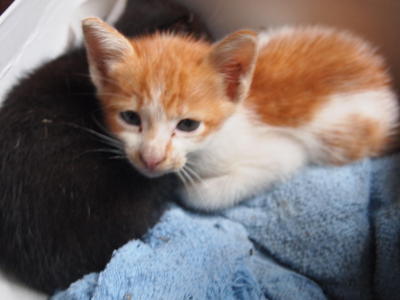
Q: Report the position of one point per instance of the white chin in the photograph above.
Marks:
(153, 174)
(148, 173)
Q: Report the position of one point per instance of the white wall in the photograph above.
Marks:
(377, 20)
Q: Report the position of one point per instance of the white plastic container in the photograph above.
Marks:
(33, 32)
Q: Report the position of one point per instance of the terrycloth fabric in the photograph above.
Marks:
(328, 233)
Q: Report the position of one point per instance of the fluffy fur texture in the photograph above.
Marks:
(67, 199)
(265, 105)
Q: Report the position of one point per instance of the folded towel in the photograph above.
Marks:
(326, 233)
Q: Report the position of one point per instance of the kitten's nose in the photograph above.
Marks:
(150, 161)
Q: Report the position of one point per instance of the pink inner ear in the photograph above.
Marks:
(232, 72)
(234, 57)
(105, 47)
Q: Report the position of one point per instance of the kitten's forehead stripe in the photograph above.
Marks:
(170, 70)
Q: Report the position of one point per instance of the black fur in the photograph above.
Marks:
(65, 202)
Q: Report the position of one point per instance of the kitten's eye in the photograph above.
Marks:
(131, 117)
(188, 125)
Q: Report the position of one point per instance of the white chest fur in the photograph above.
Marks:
(243, 158)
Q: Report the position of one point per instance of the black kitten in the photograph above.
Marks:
(67, 196)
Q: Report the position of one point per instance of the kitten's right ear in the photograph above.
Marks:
(105, 47)
(234, 58)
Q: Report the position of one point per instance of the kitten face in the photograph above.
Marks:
(164, 96)
(163, 119)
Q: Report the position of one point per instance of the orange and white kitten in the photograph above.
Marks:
(235, 116)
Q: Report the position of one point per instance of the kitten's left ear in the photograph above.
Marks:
(105, 47)
(234, 57)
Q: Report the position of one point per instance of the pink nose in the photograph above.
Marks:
(151, 162)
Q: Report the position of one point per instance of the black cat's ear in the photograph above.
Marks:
(234, 58)
(106, 48)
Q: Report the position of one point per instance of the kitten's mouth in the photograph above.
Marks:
(151, 173)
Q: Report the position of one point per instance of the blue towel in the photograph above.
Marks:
(328, 233)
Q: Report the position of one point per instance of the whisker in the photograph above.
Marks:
(184, 175)
(118, 157)
(188, 176)
(193, 184)
(100, 125)
(190, 163)
(182, 178)
(113, 151)
(103, 137)
(192, 172)
(116, 152)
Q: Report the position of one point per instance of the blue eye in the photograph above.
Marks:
(131, 117)
(188, 125)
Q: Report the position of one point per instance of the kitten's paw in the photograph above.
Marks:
(210, 194)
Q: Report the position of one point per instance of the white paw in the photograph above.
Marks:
(210, 194)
